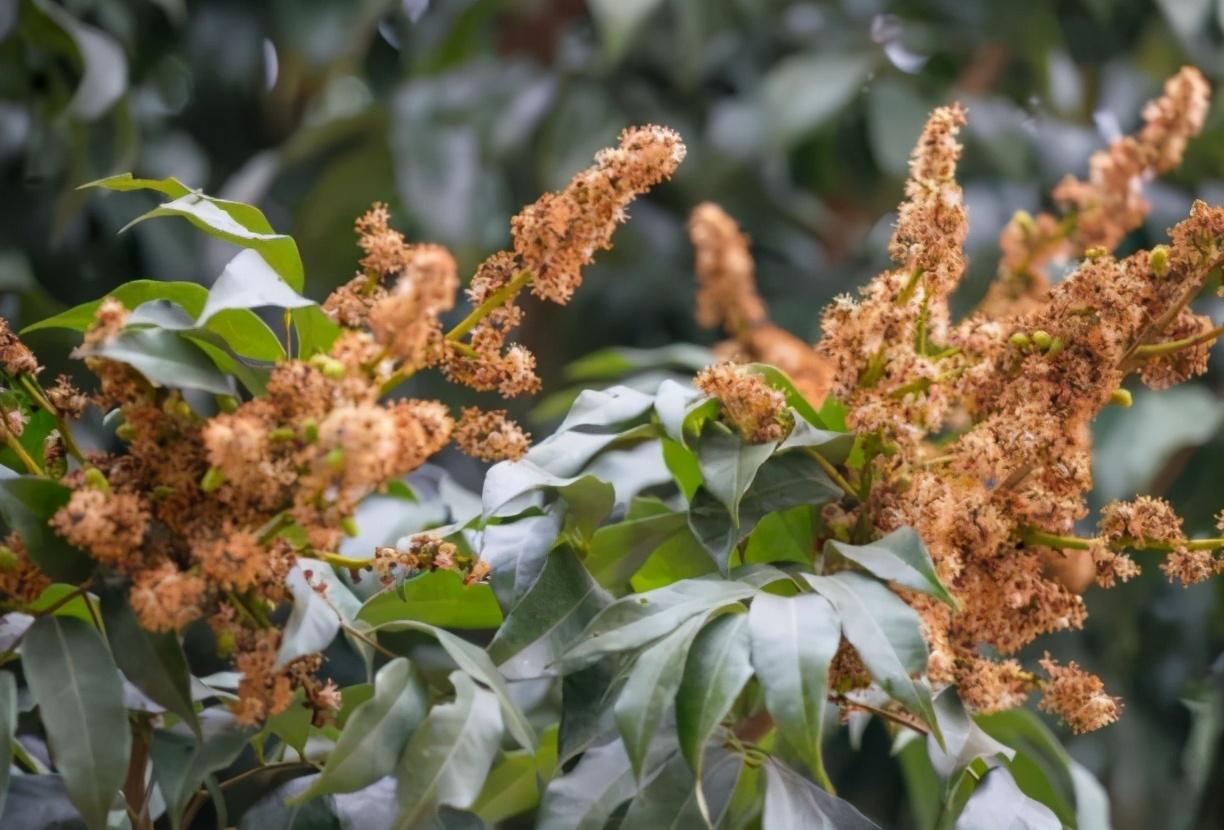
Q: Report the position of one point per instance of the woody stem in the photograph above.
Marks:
(495, 300)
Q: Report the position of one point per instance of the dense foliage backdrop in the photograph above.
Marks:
(798, 118)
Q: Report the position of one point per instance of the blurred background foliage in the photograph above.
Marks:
(799, 117)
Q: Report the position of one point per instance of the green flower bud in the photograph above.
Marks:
(125, 432)
(8, 558)
(227, 403)
(1020, 340)
(1121, 397)
(1024, 220)
(1158, 259)
(1042, 339)
(95, 479)
(282, 434)
(335, 458)
(349, 525)
(1056, 346)
(212, 479)
(310, 430)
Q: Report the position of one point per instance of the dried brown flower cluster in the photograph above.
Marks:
(727, 298)
(976, 434)
(1099, 212)
(206, 515)
(754, 408)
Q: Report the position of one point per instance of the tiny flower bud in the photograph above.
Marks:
(1056, 346)
(1094, 253)
(8, 559)
(125, 432)
(225, 643)
(227, 403)
(1024, 220)
(1121, 397)
(212, 479)
(163, 491)
(333, 369)
(1158, 259)
(349, 525)
(1020, 340)
(95, 479)
(1042, 339)
(335, 458)
(281, 434)
(310, 430)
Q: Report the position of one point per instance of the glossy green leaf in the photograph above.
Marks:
(618, 361)
(886, 633)
(245, 334)
(449, 755)
(792, 802)
(313, 623)
(104, 68)
(639, 619)
(683, 411)
(650, 689)
(376, 732)
(233, 222)
(729, 465)
(899, 557)
(548, 618)
(438, 598)
(190, 296)
(964, 740)
(248, 281)
(619, 550)
(719, 666)
(8, 730)
(998, 804)
(80, 696)
(475, 662)
(784, 481)
(153, 662)
(793, 642)
(314, 331)
(1041, 766)
(181, 761)
(515, 783)
(586, 796)
(784, 536)
(27, 503)
(781, 381)
(165, 359)
(670, 800)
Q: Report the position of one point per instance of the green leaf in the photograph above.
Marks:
(153, 662)
(802, 92)
(899, 557)
(964, 740)
(190, 296)
(717, 670)
(650, 689)
(233, 222)
(996, 796)
(27, 503)
(103, 65)
(313, 623)
(56, 595)
(682, 410)
(682, 464)
(438, 598)
(548, 618)
(619, 550)
(794, 803)
(241, 330)
(248, 281)
(670, 800)
(315, 331)
(514, 784)
(376, 733)
(181, 761)
(1041, 766)
(729, 464)
(784, 481)
(586, 796)
(165, 359)
(793, 642)
(8, 730)
(784, 536)
(512, 487)
(886, 633)
(834, 446)
(80, 695)
(618, 361)
(450, 754)
(475, 662)
(639, 619)
(618, 21)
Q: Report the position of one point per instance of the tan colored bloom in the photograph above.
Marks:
(167, 599)
(1077, 697)
(726, 294)
(15, 358)
(1189, 567)
(111, 526)
(20, 579)
(754, 408)
(490, 436)
(560, 233)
